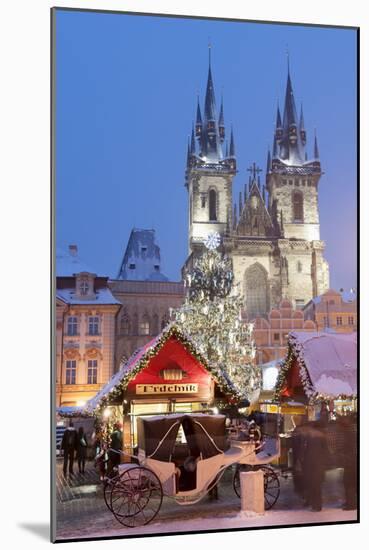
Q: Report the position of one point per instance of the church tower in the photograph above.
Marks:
(209, 173)
(292, 179)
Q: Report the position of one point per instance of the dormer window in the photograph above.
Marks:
(132, 266)
(83, 288)
(157, 267)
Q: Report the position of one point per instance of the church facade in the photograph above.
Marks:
(272, 233)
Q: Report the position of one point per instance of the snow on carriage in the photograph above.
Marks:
(136, 493)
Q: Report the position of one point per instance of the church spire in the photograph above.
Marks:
(193, 143)
(198, 120)
(221, 122)
(302, 127)
(316, 149)
(268, 162)
(232, 150)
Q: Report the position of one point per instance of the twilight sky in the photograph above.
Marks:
(126, 89)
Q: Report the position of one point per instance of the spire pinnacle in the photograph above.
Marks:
(316, 149)
(232, 149)
(221, 122)
(193, 143)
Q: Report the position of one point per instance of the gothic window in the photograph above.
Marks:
(299, 267)
(212, 205)
(93, 326)
(155, 324)
(124, 324)
(135, 324)
(72, 326)
(164, 321)
(203, 201)
(92, 371)
(256, 291)
(297, 205)
(144, 328)
(70, 371)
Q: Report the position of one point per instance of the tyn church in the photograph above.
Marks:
(273, 233)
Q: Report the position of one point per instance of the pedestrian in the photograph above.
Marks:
(81, 450)
(323, 415)
(116, 441)
(69, 446)
(314, 462)
(349, 427)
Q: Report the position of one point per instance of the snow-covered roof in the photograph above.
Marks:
(140, 356)
(68, 264)
(141, 260)
(103, 296)
(328, 362)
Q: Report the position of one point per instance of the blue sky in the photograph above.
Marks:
(126, 89)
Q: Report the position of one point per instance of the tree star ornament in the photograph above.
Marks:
(212, 241)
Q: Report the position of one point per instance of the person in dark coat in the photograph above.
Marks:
(349, 427)
(314, 462)
(116, 441)
(69, 446)
(81, 450)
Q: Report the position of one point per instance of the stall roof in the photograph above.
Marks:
(140, 359)
(327, 361)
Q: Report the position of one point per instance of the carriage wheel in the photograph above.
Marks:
(271, 484)
(108, 485)
(271, 487)
(136, 496)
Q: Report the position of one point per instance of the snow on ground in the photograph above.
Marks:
(235, 521)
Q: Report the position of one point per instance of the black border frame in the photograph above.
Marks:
(53, 11)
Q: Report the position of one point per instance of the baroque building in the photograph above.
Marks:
(272, 234)
(85, 330)
(333, 311)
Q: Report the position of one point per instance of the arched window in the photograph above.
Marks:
(212, 205)
(155, 324)
(124, 324)
(299, 266)
(256, 291)
(297, 205)
(145, 325)
(164, 321)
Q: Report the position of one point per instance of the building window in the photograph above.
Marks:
(157, 267)
(124, 325)
(350, 320)
(339, 321)
(290, 182)
(299, 266)
(325, 321)
(70, 372)
(144, 327)
(164, 321)
(284, 182)
(72, 326)
(212, 205)
(92, 371)
(83, 288)
(143, 248)
(276, 337)
(155, 324)
(203, 201)
(93, 326)
(297, 205)
(300, 303)
(132, 266)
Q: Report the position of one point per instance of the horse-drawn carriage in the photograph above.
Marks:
(135, 494)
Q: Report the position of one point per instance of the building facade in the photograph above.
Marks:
(273, 233)
(271, 334)
(86, 314)
(145, 293)
(333, 310)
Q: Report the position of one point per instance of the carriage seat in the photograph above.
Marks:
(269, 452)
(232, 455)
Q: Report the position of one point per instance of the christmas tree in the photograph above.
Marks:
(211, 316)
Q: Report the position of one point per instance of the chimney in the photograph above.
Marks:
(73, 249)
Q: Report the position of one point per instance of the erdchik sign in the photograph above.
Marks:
(166, 388)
